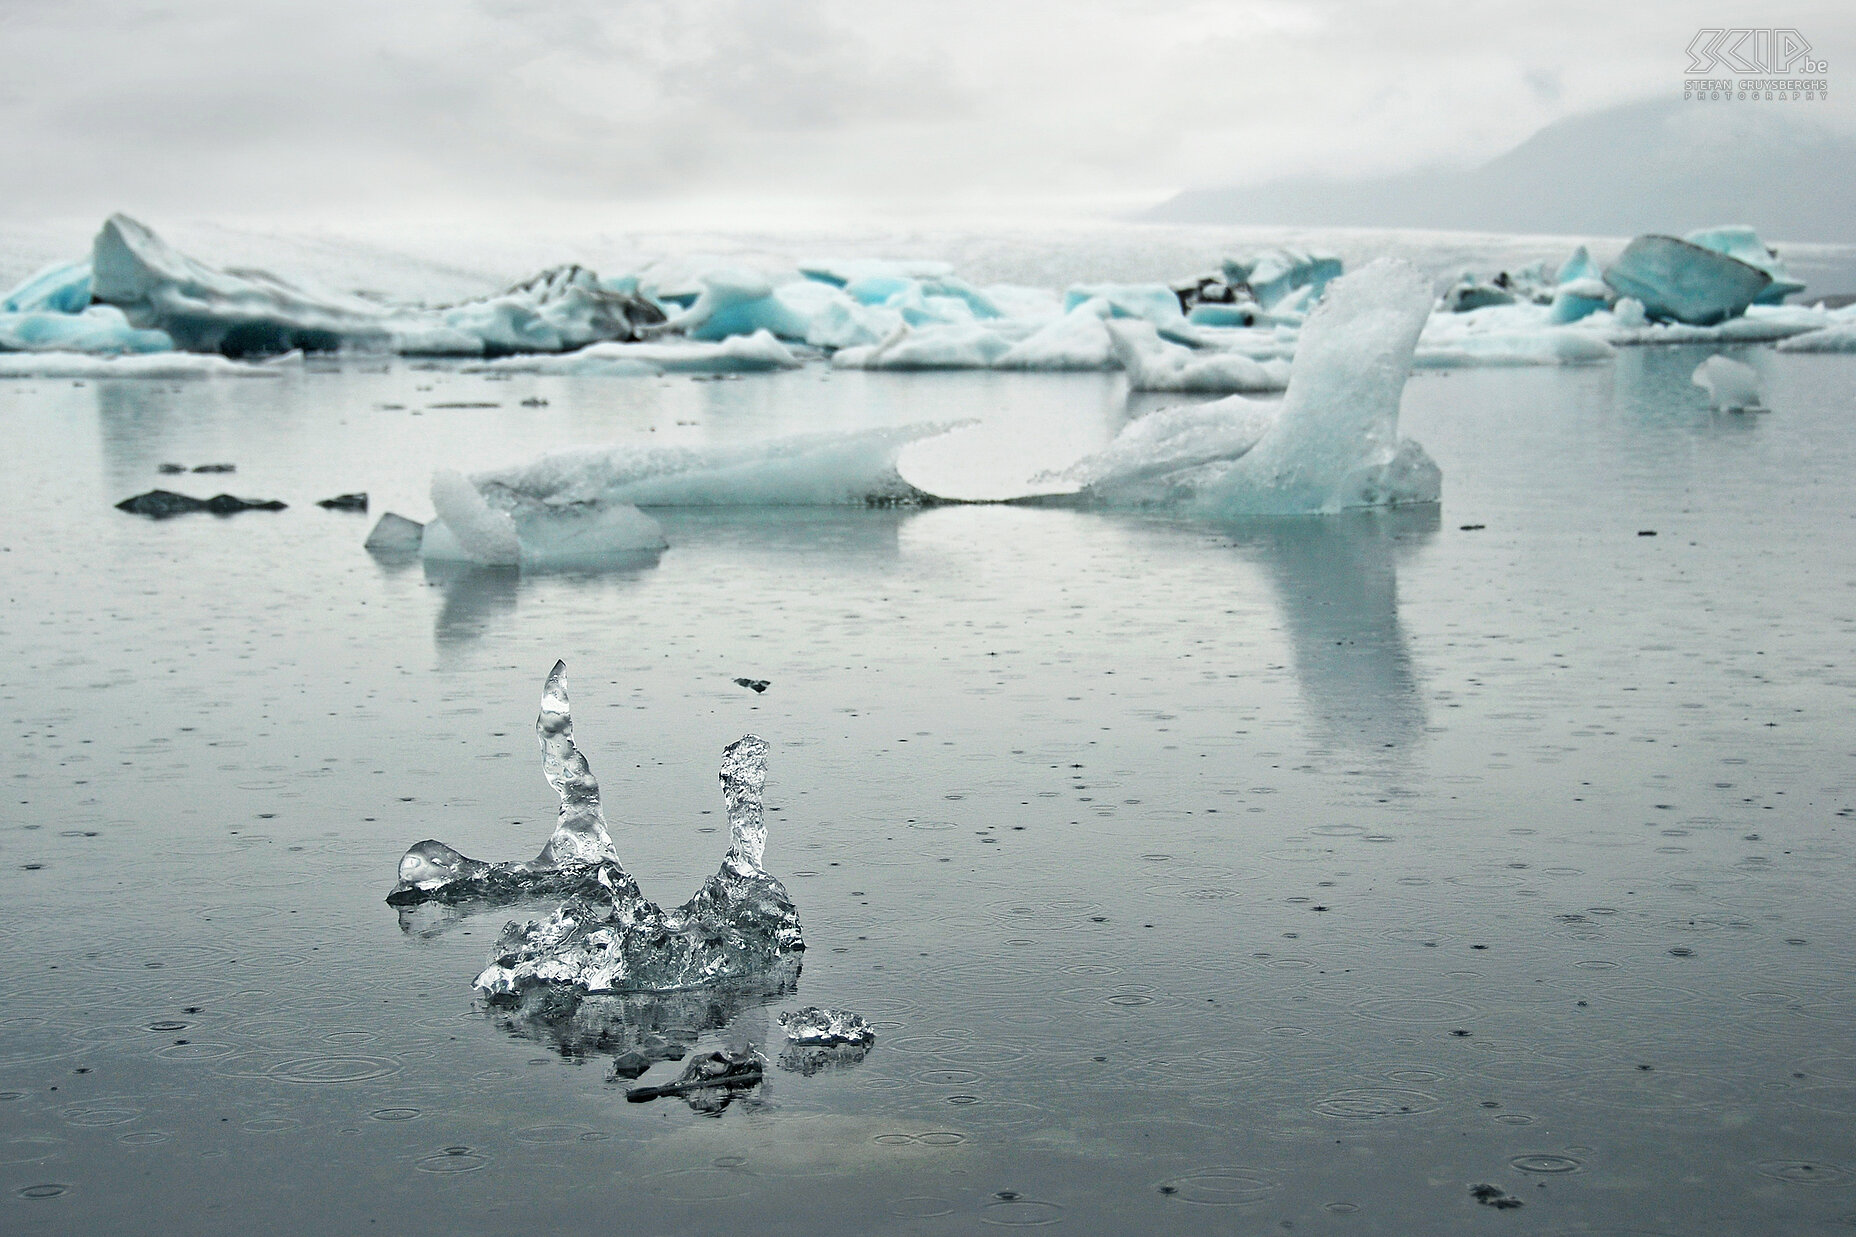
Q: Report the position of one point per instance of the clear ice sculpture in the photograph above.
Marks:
(607, 936)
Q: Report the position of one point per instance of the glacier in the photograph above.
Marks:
(606, 937)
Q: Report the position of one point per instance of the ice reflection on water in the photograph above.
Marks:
(1192, 877)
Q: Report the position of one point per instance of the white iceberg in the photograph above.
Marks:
(1731, 385)
(855, 468)
(1838, 337)
(946, 346)
(1078, 340)
(500, 527)
(150, 365)
(1152, 364)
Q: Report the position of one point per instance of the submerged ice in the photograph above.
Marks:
(607, 937)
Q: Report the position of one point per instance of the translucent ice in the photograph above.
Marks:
(1731, 385)
(100, 329)
(1079, 340)
(813, 1025)
(709, 1082)
(945, 346)
(610, 938)
(577, 850)
(1274, 273)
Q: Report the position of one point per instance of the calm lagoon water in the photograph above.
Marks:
(1284, 876)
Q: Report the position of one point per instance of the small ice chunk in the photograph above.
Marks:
(814, 1025)
(1731, 385)
(431, 870)
(395, 534)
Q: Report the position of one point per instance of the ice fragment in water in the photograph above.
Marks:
(822, 1027)
(394, 533)
(431, 870)
(1731, 385)
(610, 938)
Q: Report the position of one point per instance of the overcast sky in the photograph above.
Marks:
(404, 106)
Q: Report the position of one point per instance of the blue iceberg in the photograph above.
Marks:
(1683, 282)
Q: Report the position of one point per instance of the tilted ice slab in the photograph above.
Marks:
(1333, 445)
(855, 468)
(607, 936)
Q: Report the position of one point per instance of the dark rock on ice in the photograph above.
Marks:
(356, 501)
(215, 468)
(170, 470)
(756, 686)
(160, 504)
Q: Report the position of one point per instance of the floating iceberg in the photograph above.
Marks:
(62, 288)
(99, 329)
(504, 528)
(1152, 364)
(1273, 274)
(1682, 282)
(151, 365)
(1079, 340)
(741, 302)
(1334, 444)
(244, 313)
(1731, 385)
(740, 354)
(1840, 337)
(855, 468)
(1738, 241)
(709, 1082)
(1579, 289)
(944, 346)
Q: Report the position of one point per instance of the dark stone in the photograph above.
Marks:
(216, 468)
(356, 501)
(168, 470)
(757, 686)
(160, 504)
(1494, 1196)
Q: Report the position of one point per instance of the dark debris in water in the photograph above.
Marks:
(757, 686)
(1494, 1196)
(356, 501)
(160, 504)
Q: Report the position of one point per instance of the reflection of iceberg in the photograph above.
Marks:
(1336, 585)
(1333, 445)
(607, 937)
